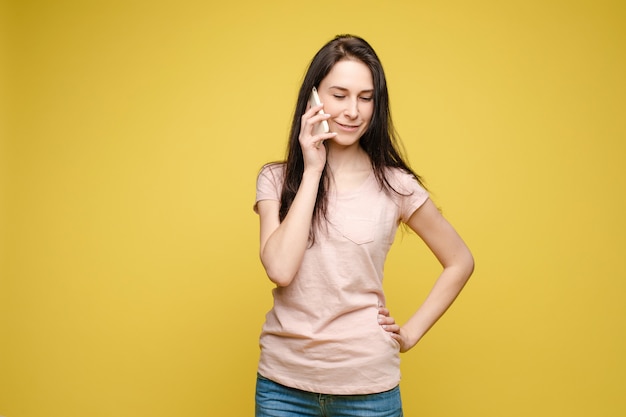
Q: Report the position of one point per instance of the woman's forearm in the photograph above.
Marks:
(444, 292)
(283, 251)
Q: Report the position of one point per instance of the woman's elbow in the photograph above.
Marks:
(463, 267)
(280, 281)
(279, 275)
(468, 265)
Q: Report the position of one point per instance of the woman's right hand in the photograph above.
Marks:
(313, 149)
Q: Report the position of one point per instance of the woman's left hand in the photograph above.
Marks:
(388, 323)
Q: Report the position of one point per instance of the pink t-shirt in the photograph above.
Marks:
(322, 334)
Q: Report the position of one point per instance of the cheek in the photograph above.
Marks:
(332, 109)
(367, 113)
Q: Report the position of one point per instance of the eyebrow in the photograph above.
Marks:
(345, 89)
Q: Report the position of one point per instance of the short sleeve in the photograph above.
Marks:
(411, 194)
(269, 183)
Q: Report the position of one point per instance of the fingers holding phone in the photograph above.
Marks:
(314, 128)
(314, 101)
(314, 131)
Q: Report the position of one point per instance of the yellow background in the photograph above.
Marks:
(132, 132)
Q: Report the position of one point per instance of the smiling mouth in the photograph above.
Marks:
(349, 127)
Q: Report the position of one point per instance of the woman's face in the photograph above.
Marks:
(348, 96)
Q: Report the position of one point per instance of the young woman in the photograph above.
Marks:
(328, 217)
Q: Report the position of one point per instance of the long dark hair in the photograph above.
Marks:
(380, 141)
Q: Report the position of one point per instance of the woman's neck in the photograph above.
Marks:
(347, 159)
(348, 167)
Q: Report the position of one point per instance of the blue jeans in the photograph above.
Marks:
(275, 400)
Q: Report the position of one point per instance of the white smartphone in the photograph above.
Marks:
(321, 127)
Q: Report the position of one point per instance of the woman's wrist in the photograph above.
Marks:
(312, 175)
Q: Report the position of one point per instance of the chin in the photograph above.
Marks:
(345, 140)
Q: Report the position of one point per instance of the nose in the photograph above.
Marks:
(352, 109)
